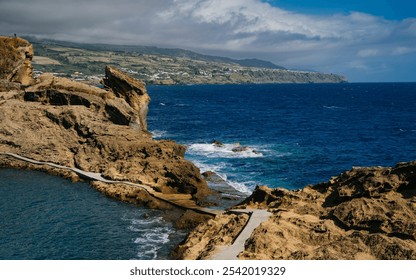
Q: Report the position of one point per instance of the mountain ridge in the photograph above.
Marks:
(155, 50)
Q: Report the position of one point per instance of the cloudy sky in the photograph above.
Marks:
(366, 40)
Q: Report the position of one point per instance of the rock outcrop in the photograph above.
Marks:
(204, 239)
(365, 213)
(16, 61)
(97, 130)
(131, 90)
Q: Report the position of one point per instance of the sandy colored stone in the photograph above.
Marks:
(364, 213)
(203, 240)
(72, 124)
(16, 60)
(131, 90)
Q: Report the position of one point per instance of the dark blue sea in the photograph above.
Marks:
(298, 134)
(294, 135)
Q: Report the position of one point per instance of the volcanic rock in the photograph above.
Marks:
(131, 90)
(97, 130)
(217, 143)
(364, 213)
(16, 60)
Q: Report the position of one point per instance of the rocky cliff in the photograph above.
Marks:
(364, 213)
(69, 123)
(15, 63)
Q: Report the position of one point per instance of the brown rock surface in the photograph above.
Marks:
(364, 213)
(201, 242)
(16, 60)
(131, 90)
(73, 124)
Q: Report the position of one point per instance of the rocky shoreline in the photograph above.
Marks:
(364, 213)
(101, 130)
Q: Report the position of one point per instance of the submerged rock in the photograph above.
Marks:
(240, 149)
(217, 143)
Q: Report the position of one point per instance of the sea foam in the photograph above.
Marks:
(224, 151)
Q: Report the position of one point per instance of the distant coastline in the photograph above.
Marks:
(157, 66)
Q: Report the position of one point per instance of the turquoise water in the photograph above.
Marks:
(47, 217)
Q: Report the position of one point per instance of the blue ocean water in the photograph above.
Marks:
(300, 133)
(48, 217)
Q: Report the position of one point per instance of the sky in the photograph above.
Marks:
(365, 40)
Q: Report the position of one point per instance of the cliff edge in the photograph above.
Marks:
(69, 123)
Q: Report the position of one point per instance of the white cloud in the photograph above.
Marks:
(244, 17)
(250, 28)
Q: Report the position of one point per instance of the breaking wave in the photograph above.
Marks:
(224, 151)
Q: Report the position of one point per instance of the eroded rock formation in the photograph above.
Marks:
(16, 61)
(365, 213)
(204, 239)
(131, 90)
(98, 130)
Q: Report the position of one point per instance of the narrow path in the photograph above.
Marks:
(257, 216)
(182, 201)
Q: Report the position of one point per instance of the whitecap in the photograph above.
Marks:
(218, 168)
(143, 221)
(162, 104)
(152, 236)
(148, 252)
(241, 187)
(223, 151)
(215, 167)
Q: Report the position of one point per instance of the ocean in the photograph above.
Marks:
(48, 217)
(283, 135)
(294, 134)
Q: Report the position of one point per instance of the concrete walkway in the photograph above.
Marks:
(182, 201)
(257, 216)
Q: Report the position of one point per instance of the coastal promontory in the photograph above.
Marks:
(101, 130)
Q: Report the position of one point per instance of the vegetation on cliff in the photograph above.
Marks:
(164, 66)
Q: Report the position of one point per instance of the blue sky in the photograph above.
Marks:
(365, 40)
(389, 9)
